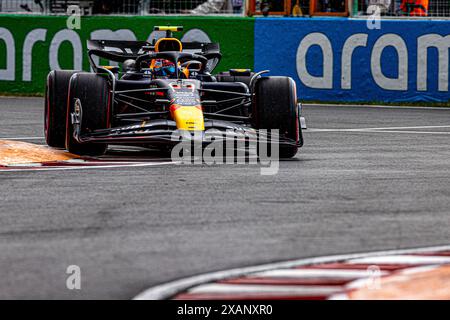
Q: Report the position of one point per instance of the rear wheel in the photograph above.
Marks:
(275, 107)
(56, 107)
(89, 100)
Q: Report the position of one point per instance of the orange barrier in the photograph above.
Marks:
(415, 7)
(17, 152)
(422, 285)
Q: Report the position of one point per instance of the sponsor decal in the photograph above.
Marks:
(343, 60)
(32, 46)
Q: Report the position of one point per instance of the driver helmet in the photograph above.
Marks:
(163, 68)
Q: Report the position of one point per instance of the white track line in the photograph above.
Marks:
(22, 138)
(87, 167)
(373, 106)
(218, 288)
(419, 269)
(379, 128)
(410, 127)
(380, 131)
(387, 130)
(403, 259)
(411, 132)
(313, 273)
(170, 289)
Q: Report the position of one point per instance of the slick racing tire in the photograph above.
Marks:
(89, 99)
(56, 107)
(275, 107)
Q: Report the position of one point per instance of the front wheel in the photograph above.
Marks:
(56, 107)
(88, 104)
(275, 107)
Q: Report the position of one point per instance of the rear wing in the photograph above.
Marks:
(120, 51)
(210, 51)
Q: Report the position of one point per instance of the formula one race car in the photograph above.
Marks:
(155, 89)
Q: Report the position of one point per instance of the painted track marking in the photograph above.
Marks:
(369, 106)
(22, 138)
(403, 130)
(82, 167)
(312, 273)
(403, 259)
(264, 289)
(386, 128)
(172, 289)
(18, 156)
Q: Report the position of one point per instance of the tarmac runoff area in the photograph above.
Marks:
(367, 179)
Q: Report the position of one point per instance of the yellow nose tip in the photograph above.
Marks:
(188, 118)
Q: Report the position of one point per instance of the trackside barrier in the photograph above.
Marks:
(342, 60)
(31, 46)
(331, 59)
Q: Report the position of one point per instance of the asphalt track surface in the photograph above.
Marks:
(132, 228)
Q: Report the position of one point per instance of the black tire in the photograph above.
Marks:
(93, 92)
(226, 77)
(275, 107)
(56, 92)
